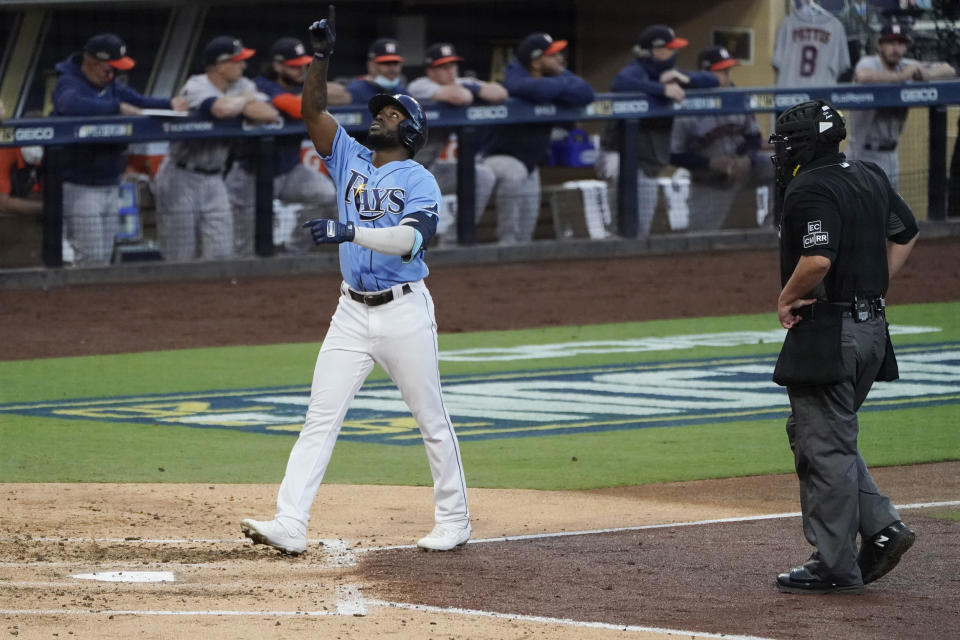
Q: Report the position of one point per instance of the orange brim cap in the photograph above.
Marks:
(677, 43)
(448, 59)
(302, 61)
(724, 64)
(558, 45)
(243, 55)
(389, 58)
(123, 63)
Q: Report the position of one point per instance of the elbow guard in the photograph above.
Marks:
(425, 226)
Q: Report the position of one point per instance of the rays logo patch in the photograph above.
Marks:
(815, 235)
(372, 203)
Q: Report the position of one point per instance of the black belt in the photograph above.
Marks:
(376, 299)
(890, 146)
(863, 309)
(206, 172)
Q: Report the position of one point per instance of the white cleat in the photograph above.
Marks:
(274, 534)
(445, 537)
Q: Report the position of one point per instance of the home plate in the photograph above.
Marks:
(128, 576)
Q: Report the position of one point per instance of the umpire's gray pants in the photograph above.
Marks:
(838, 497)
(91, 222)
(192, 207)
(301, 184)
(517, 197)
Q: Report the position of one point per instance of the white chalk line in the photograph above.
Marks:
(561, 621)
(351, 602)
(151, 612)
(340, 546)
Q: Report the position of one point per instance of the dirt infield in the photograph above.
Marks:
(708, 578)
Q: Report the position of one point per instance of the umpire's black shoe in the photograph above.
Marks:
(881, 553)
(800, 580)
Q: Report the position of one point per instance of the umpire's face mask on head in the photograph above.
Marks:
(781, 159)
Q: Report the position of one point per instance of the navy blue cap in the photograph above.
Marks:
(109, 48)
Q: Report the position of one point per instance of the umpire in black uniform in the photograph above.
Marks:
(844, 232)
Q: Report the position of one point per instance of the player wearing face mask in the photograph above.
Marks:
(384, 72)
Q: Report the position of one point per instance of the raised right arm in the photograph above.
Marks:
(321, 126)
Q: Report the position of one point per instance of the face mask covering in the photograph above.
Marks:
(387, 83)
(32, 154)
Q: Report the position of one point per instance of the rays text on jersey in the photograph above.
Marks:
(372, 203)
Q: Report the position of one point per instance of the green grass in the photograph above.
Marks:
(39, 449)
(84, 451)
(953, 514)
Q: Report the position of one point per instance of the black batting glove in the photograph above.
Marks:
(325, 231)
(323, 36)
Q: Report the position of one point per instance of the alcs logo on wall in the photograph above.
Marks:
(104, 131)
(529, 403)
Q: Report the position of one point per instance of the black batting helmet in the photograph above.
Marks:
(413, 130)
(804, 132)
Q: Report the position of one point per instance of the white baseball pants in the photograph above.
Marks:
(91, 221)
(400, 336)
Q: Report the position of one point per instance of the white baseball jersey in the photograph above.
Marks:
(200, 93)
(810, 50)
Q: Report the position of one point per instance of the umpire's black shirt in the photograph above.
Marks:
(845, 211)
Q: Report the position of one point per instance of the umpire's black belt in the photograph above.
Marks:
(886, 146)
(863, 309)
(376, 299)
(201, 170)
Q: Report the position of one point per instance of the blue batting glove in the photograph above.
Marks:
(326, 231)
(323, 35)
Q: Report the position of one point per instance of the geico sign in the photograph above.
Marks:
(498, 112)
(919, 94)
(631, 106)
(33, 134)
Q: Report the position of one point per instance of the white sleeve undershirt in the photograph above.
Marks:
(393, 241)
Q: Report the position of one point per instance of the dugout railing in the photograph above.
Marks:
(55, 133)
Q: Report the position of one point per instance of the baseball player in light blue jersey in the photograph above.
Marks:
(388, 210)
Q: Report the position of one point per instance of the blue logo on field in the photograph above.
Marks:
(528, 403)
